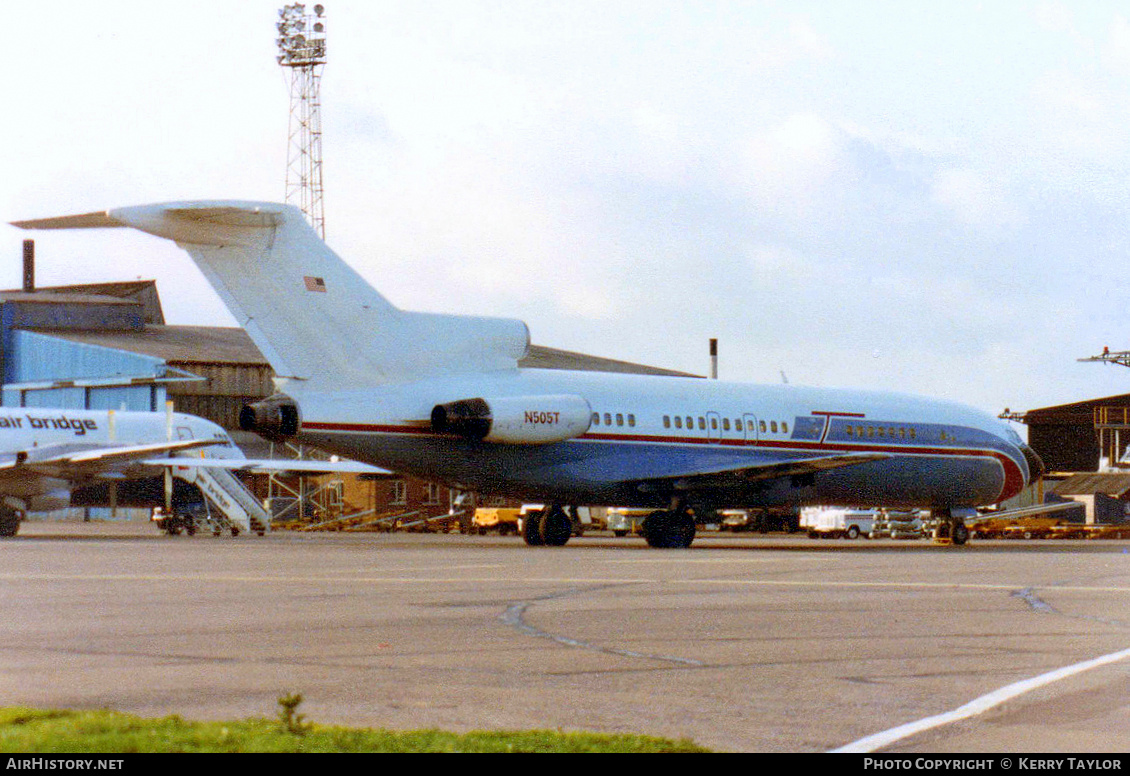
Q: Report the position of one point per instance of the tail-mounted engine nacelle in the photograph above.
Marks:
(521, 420)
(275, 417)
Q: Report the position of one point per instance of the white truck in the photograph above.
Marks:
(837, 522)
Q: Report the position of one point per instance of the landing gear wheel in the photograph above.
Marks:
(9, 522)
(556, 527)
(669, 530)
(654, 529)
(531, 529)
(682, 530)
(959, 533)
(953, 528)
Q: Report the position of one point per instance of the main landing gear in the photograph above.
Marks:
(669, 529)
(548, 527)
(553, 525)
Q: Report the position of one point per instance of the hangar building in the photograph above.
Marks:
(1074, 437)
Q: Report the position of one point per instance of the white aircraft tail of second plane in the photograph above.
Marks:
(315, 319)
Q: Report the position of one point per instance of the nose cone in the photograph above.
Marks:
(1036, 468)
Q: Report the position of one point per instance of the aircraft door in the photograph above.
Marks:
(713, 427)
(749, 428)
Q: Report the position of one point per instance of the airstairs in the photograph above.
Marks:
(229, 496)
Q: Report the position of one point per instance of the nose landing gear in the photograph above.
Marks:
(950, 528)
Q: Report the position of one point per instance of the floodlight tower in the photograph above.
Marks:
(302, 50)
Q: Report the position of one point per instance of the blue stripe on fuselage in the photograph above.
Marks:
(588, 470)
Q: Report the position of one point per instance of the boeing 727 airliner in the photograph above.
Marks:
(442, 397)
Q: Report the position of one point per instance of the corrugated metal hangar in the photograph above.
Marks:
(1074, 437)
(1082, 444)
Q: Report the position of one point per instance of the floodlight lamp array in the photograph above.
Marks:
(301, 41)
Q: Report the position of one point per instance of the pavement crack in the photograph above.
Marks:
(1028, 596)
(515, 617)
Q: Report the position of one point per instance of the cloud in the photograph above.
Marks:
(1116, 51)
(977, 200)
(1054, 17)
(786, 167)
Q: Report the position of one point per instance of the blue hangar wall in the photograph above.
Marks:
(41, 370)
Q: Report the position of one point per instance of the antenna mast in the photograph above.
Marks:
(302, 49)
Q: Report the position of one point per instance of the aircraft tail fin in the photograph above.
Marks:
(313, 317)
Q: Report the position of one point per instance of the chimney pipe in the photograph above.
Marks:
(713, 358)
(29, 265)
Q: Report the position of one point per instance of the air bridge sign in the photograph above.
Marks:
(78, 426)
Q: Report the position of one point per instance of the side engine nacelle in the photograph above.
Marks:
(521, 420)
(275, 417)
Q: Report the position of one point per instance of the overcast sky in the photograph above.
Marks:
(924, 197)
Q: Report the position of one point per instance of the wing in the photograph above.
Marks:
(768, 471)
(78, 463)
(663, 468)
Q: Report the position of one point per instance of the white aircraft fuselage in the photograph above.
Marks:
(938, 454)
(46, 453)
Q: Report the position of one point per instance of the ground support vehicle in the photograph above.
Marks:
(837, 522)
(193, 518)
(502, 520)
(890, 524)
(1045, 528)
(998, 528)
(760, 520)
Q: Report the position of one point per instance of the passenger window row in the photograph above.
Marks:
(700, 423)
(688, 422)
(900, 433)
(613, 419)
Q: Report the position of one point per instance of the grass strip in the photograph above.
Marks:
(45, 731)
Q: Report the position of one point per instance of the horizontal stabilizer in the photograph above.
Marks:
(98, 220)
